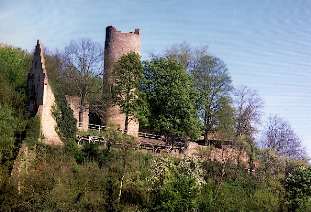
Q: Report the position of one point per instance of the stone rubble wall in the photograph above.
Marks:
(74, 103)
(221, 155)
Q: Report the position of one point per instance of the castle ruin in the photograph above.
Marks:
(42, 98)
(118, 44)
(42, 101)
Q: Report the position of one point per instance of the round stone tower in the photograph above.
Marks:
(117, 44)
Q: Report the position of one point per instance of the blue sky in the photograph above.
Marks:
(266, 44)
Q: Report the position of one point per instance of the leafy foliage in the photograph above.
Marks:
(169, 93)
(7, 129)
(127, 76)
(298, 189)
(14, 66)
(213, 85)
(149, 183)
(176, 187)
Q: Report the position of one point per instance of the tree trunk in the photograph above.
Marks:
(206, 141)
(126, 123)
(120, 189)
(206, 129)
(251, 159)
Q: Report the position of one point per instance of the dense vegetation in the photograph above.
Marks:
(151, 183)
(15, 125)
(181, 95)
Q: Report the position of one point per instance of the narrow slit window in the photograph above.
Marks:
(80, 118)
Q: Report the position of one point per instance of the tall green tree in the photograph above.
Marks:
(127, 76)
(213, 85)
(170, 96)
(14, 66)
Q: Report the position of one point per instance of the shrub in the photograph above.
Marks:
(298, 189)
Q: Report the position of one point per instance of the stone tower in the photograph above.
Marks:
(42, 98)
(117, 44)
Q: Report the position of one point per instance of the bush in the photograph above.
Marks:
(7, 131)
(33, 132)
(298, 188)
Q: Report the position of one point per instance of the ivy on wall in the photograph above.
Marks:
(63, 114)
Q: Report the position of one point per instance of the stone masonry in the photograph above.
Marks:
(80, 113)
(117, 44)
(42, 97)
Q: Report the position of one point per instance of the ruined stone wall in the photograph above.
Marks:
(117, 44)
(42, 98)
(36, 79)
(222, 155)
(80, 113)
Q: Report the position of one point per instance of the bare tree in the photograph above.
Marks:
(82, 65)
(186, 55)
(248, 114)
(248, 106)
(279, 136)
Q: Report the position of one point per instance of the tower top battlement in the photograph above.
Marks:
(122, 38)
(112, 28)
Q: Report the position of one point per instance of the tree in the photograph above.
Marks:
(169, 92)
(213, 85)
(186, 55)
(182, 53)
(248, 106)
(248, 111)
(14, 64)
(127, 76)
(280, 137)
(81, 65)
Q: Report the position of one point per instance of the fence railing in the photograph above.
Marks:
(149, 135)
(97, 127)
(154, 146)
(140, 134)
